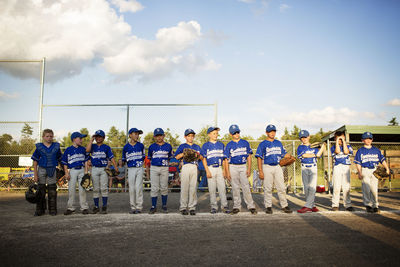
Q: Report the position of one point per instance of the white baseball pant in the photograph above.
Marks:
(158, 180)
(188, 187)
(274, 175)
(239, 180)
(135, 180)
(370, 188)
(309, 177)
(341, 181)
(76, 176)
(100, 182)
(217, 180)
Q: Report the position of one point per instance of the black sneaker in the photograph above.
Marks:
(138, 211)
(226, 210)
(132, 212)
(103, 210)
(184, 212)
(376, 210)
(369, 209)
(68, 212)
(350, 209)
(335, 208)
(95, 210)
(287, 210)
(164, 209)
(192, 212)
(235, 211)
(253, 211)
(268, 210)
(39, 213)
(213, 211)
(85, 212)
(152, 210)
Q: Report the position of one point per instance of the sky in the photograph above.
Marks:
(314, 64)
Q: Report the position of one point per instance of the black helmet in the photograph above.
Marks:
(32, 195)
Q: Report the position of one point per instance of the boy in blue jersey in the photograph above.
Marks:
(75, 166)
(159, 154)
(269, 153)
(213, 159)
(188, 176)
(238, 169)
(367, 159)
(341, 153)
(133, 154)
(308, 157)
(100, 155)
(45, 160)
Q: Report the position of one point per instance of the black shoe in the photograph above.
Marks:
(138, 211)
(335, 208)
(39, 213)
(213, 211)
(226, 210)
(68, 212)
(253, 211)
(184, 212)
(132, 212)
(287, 210)
(104, 210)
(268, 210)
(85, 212)
(164, 209)
(369, 209)
(235, 211)
(95, 210)
(350, 209)
(192, 212)
(152, 210)
(376, 210)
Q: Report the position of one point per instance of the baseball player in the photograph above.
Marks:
(269, 153)
(213, 159)
(133, 154)
(100, 154)
(188, 176)
(238, 169)
(341, 153)
(367, 159)
(45, 160)
(75, 166)
(159, 154)
(308, 157)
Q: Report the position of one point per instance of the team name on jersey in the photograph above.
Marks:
(273, 151)
(160, 154)
(134, 155)
(240, 151)
(99, 155)
(215, 153)
(76, 157)
(369, 158)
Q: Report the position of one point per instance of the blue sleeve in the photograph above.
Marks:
(150, 152)
(333, 148)
(36, 155)
(357, 158)
(316, 150)
(91, 149)
(227, 151)
(143, 152)
(170, 155)
(249, 150)
(59, 155)
(179, 150)
(223, 148)
(123, 153)
(283, 151)
(64, 158)
(110, 155)
(351, 151)
(300, 151)
(203, 151)
(260, 151)
(380, 156)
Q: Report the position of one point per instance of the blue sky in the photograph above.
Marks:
(316, 64)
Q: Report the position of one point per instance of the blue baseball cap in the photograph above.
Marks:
(135, 130)
(304, 133)
(158, 131)
(189, 131)
(76, 135)
(270, 128)
(100, 133)
(367, 135)
(212, 128)
(234, 129)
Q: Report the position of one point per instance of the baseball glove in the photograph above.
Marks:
(111, 172)
(190, 155)
(85, 182)
(380, 172)
(287, 161)
(316, 145)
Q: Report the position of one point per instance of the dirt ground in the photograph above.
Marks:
(118, 238)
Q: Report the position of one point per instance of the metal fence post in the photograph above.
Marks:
(41, 99)
(294, 169)
(329, 164)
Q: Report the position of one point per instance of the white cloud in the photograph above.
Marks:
(283, 7)
(247, 1)
(394, 102)
(128, 5)
(76, 34)
(4, 95)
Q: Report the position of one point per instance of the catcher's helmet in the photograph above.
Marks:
(32, 195)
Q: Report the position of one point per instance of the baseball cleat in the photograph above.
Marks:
(95, 210)
(164, 209)
(314, 209)
(103, 210)
(376, 210)
(350, 209)
(235, 211)
(368, 209)
(152, 210)
(253, 211)
(68, 212)
(287, 210)
(84, 212)
(192, 212)
(304, 210)
(226, 210)
(132, 212)
(138, 211)
(184, 212)
(213, 211)
(268, 210)
(335, 208)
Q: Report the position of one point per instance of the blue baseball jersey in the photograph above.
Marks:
(74, 157)
(183, 146)
(303, 149)
(369, 157)
(159, 155)
(341, 158)
(214, 153)
(47, 157)
(270, 152)
(134, 155)
(238, 152)
(100, 155)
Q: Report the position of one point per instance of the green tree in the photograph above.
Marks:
(202, 136)
(293, 135)
(172, 139)
(393, 122)
(5, 144)
(116, 138)
(148, 139)
(27, 130)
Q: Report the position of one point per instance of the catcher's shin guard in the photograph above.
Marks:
(41, 204)
(52, 188)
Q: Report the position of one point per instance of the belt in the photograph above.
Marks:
(77, 168)
(237, 163)
(271, 164)
(371, 168)
(215, 165)
(308, 165)
(99, 166)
